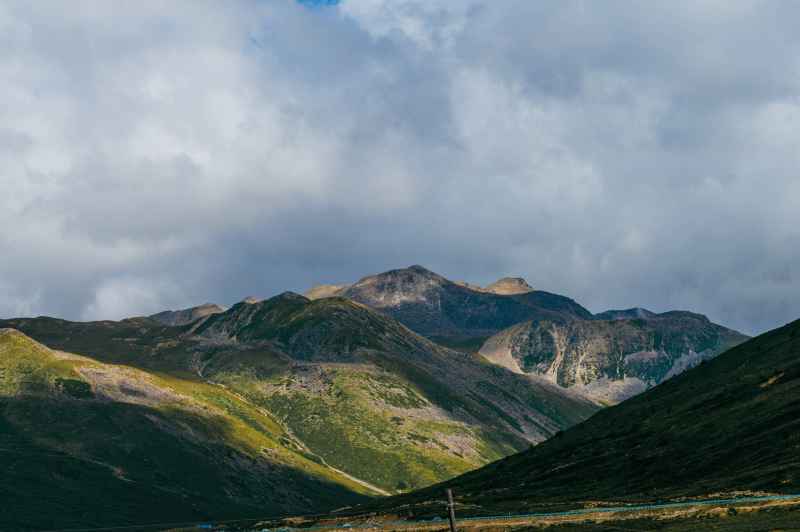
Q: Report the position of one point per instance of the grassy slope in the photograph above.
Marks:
(373, 398)
(373, 425)
(140, 447)
(730, 424)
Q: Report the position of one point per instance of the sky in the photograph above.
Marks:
(158, 155)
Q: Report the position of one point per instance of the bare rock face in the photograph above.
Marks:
(510, 285)
(187, 315)
(611, 359)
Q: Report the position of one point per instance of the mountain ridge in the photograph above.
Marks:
(607, 357)
(360, 390)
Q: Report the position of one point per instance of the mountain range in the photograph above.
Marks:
(607, 357)
(281, 405)
(292, 403)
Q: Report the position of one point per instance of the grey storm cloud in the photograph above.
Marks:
(622, 153)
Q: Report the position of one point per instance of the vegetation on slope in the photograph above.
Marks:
(378, 401)
(357, 390)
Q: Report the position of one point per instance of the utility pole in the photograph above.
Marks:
(451, 507)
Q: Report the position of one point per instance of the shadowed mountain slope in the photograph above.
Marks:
(731, 424)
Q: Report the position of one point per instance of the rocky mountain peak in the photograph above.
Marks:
(509, 286)
(251, 300)
(396, 287)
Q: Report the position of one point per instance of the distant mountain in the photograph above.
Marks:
(436, 307)
(730, 425)
(359, 392)
(88, 444)
(187, 315)
(611, 359)
(606, 357)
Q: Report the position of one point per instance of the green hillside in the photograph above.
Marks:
(376, 400)
(358, 391)
(730, 425)
(141, 447)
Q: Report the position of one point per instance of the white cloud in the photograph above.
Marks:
(619, 153)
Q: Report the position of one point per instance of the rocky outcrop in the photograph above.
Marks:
(610, 359)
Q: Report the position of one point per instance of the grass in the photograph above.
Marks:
(367, 424)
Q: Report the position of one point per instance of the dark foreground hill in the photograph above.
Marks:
(730, 425)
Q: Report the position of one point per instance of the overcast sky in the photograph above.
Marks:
(162, 154)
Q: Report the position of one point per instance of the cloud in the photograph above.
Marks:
(623, 154)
